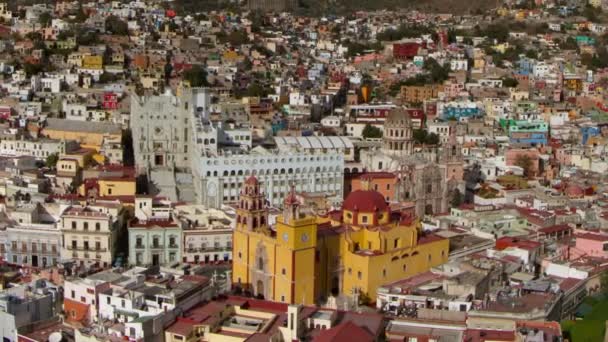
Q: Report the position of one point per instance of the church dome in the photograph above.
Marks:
(397, 138)
(368, 201)
(398, 117)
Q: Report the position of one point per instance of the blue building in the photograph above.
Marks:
(531, 133)
(457, 111)
(588, 132)
(525, 65)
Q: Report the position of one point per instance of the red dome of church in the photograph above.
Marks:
(251, 180)
(365, 201)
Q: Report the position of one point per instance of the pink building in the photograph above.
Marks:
(590, 244)
(564, 155)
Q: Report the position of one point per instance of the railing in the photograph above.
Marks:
(82, 248)
(209, 249)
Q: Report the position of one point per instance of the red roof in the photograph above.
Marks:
(505, 242)
(365, 201)
(591, 236)
(347, 331)
(555, 229)
(374, 175)
(405, 50)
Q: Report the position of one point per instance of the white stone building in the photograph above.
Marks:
(207, 233)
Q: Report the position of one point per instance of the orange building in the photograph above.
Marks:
(420, 93)
(383, 182)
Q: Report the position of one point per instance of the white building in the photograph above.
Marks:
(89, 234)
(207, 233)
(34, 239)
(40, 149)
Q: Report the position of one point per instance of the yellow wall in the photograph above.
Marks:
(119, 188)
(316, 276)
(92, 62)
(87, 140)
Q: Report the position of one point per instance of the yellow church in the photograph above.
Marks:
(305, 259)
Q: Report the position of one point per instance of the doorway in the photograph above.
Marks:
(159, 160)
(34, 261)
(155, 259)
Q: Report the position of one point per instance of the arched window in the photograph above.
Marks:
(98, 226)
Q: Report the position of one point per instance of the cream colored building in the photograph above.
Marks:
(89, 234)
(207, 233)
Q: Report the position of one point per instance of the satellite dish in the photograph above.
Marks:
(55, 337)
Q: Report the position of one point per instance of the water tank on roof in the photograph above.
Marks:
(55, 337)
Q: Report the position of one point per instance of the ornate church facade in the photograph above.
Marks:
(428, 178)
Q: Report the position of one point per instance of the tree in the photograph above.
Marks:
(45, 19)
(456, 199)
(370, 131)
(509, 82)
(419, 136)
(525, 162)
(235, 38)
(116, 26)
(432, 139)
(604, 282)
(51, 160)
(197, 76)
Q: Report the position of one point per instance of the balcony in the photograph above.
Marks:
(82, 248)
(156, 247)
(140, 247)
(173, 246)
(208, 249)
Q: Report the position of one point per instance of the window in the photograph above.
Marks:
(396, 243)
(83, 300)
(86, 226)
(384, 273)
(260, 264)
(364, 219)
(97, 226)
(359, 275)
(122, 303)
(108, 300)
(73, 294)
(283, 271)
(73, 224)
